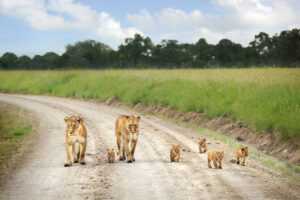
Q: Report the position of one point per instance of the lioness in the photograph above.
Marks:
(175, 153)
(110, 155)
(127, 133)
(75, 135)
(241, 154)
(216, 157)
(202, 145)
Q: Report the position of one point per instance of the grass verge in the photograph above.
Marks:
(14, 127)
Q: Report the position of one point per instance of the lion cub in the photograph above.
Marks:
(241, 154)
(110, 155)
(216, 157)
(175, 153)
(202, 145)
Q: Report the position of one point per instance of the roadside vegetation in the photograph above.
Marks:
(14, 127)
(264, 99)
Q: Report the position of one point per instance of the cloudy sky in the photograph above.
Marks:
(37, 26)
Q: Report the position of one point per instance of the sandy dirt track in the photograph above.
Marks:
(42, 175)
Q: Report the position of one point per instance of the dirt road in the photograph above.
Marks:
(42, 176)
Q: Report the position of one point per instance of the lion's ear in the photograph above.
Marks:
(80, 119)
(66, 119)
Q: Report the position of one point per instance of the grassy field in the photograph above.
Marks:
(265, 99)
(13, 128)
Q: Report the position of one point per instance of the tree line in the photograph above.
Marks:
(282, 49)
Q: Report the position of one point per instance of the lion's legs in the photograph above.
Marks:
(200, 149)
(69, 150)
(122, 150)
(176, 158)
(209, 164)
(82, 149)
(118, 140)
(220, 165)
(127, 150)
(238, 160)
(244, 161)
(215, 164)
(75, 154)
(133, 149)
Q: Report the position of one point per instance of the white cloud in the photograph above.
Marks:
(67, 15)
(239, 21)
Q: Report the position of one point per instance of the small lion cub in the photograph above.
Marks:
(241, 154)
(216, 157)
(202, 145)
(175, 153)
(110, 155)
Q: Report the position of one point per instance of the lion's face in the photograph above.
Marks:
(220, 155)
(133, 123)
(245, 150)
(72, 123)
(201, 141)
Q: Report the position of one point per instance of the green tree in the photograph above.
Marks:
(286, 48)
(263, 47)
(9, 60)
(24, 62)
(202, 53)
(88, 53)
(228, 53)
(135, 50)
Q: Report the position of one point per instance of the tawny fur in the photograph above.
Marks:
(241, 154)
(216, 157)
(175, 153)
(202, 145)
(127, 132)
(76, 134)
(110, 155)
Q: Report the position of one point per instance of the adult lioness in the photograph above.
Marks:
(76, 134)
(127, 133)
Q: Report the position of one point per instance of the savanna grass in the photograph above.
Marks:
(265, 99)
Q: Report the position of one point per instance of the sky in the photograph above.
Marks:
(37, 26)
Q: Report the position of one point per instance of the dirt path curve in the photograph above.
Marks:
(152, 176)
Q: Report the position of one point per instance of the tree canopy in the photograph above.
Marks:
(282, 49)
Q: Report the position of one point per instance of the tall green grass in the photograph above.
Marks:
(265, 99)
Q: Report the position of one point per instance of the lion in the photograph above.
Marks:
(76, 135)
(127, 133)
(175, 153)
(216, 156)
(241, 154)
(202, 145)
(110, 155)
